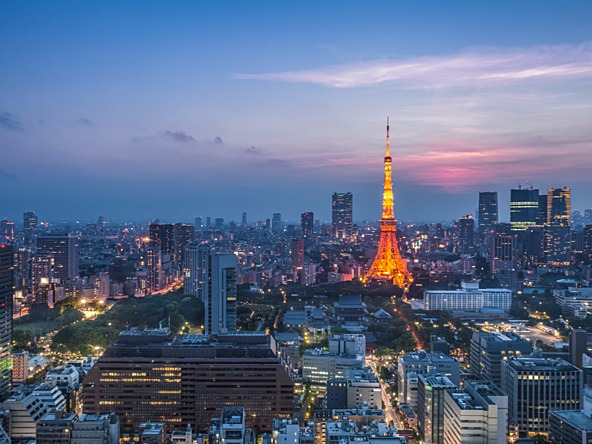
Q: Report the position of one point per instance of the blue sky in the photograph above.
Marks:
(136, 110)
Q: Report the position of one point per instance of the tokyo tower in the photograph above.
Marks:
(388, 264)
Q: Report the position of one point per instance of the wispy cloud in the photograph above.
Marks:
(84, 121)
(218, 141)
(252, 150)
(10, 121)
(483, 66)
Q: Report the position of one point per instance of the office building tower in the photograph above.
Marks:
(414, 364)
(219, 223)
(503, 252)
(163, 237)
(488, 350)
(465, 234)
(184, 235)
(559, 207)
(6, 232)
(524, 208)
(244, 220)
(588, 242)
(276, 223)
(29, 227)
(64, 249)
(342, 215)
(535, 385)
(558, 245)
(476, 414)
(195, 269)
(542, 215)
(534, 244)
(153, 265)
(42, 267)
(297, 252)
(208, 222)
(211, 277)
(558, 227)
(569, 427)
(307, 224)
(198, 223)
(6, 295)
(220, 298)
(156, 376)
(488, 215)
(430, 407)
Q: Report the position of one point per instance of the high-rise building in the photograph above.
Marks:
(220, 299)
(588, 241)
(7, 232)
(156, 376)
(503, 252)
(195, 269)
(307, 224)
(524, 208)
(342, 215)
(244, 220)
(488, 350)
(465, 234)
(297, 252)
(430, 407)
(163, 236)
(64, 248)
(153, 265)
(184, 234)
(388, 263)
(535, 385)
(29, 226)
(6, 285)
(476, 414)
(276, 223)
(559, 207)
(488, 215)
(558, 226)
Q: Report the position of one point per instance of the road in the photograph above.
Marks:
(391, 415)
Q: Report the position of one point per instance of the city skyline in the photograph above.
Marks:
(149, 110)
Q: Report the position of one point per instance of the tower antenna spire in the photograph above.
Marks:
(388, 263)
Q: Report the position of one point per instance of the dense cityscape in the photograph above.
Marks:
(310, 332)
(262, 222)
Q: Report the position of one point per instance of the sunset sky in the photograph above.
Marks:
(176, 109)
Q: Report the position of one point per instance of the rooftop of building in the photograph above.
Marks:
(575, 418)
(423, 355)
(432, 382)
(233, 415)
(506, 337)
(526, 363)
(59, 416)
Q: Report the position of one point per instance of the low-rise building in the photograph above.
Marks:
(469, 298)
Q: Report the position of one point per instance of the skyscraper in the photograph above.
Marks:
(307, 224)
(487, 212)
(524, 208)
(195, 269)
(465, 234)
(342, 212)
(388, 263)
(163, 236)
(558, 227)
(220, 301)
(184, 234)
(276, 223)
(559, 207)
(65, 250)
(29, 226)
(6, 257)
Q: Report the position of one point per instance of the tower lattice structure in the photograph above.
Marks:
(388, 263)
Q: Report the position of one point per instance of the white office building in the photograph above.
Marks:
(469, 298)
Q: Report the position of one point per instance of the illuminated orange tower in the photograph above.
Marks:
(388, 263)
